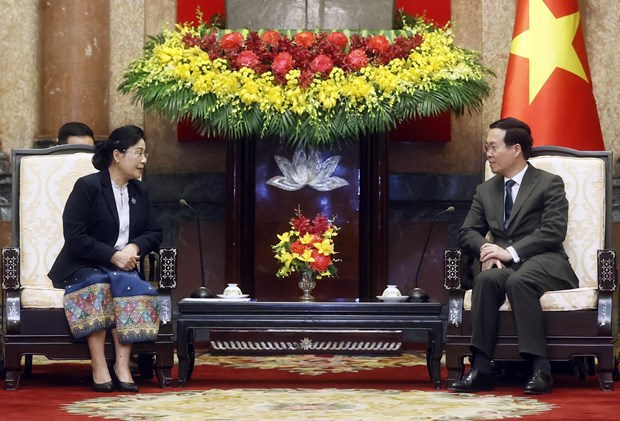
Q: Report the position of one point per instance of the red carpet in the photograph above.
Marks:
(51, 386)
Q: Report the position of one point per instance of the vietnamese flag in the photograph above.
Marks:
(548, 83)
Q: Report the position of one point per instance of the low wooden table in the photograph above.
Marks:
(214, 315)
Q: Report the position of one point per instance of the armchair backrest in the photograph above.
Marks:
(42, 182)
(587, 180)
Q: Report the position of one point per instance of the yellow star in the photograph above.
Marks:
(548, 44)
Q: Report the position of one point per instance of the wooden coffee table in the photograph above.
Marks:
(353, 317)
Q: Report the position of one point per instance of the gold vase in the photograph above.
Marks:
(306, 284)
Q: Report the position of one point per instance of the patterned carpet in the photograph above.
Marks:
(308, 403)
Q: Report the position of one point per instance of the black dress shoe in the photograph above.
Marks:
(103, 387)
(127, 387)
(539, 383)
(473, 381)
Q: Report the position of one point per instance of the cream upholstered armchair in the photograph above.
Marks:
(33, 321)
(579, 322)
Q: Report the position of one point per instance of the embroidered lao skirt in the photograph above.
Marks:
(102, 298)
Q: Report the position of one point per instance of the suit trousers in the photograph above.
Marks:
(523, 284)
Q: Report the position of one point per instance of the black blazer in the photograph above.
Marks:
(537, 225)
(91, 224)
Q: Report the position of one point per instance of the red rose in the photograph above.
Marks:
(321, 262)
(282, 63)
(338, 39)
(379, 43)
(270, 38)
(322, 64)
(246, 58)
(231, 41)
(357, 59)
(304, 39)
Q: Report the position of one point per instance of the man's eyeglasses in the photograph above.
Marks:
(492, 148)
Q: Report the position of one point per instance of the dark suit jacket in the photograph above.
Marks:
(537, 225)
(91, 224)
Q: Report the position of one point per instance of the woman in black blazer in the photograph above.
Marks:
(109, 225)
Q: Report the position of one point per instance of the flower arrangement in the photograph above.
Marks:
(307, 247)
(304, 88)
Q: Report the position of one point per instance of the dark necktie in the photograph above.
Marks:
(508, 204)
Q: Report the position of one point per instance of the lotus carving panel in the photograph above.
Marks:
(307, 169)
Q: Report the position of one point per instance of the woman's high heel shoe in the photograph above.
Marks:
(123, 386)
(127, 387)
(103, 387)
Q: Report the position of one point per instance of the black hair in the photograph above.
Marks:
(73, 128)
(517, 132)
(122, 139)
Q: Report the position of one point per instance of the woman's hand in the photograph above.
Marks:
(127, 258)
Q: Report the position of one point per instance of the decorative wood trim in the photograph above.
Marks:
(607, 270)
(10, 268)
(167, 268)
(286, 341)
(452, 268)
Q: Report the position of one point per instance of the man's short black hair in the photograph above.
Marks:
(73, 128)
(517, 132)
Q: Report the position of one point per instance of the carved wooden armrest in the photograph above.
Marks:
(166, 273)
(458, 271)
(167, 268)
(607, 282)
(11, 286)
(10, 269)
(452, 281)
(607, 270)
(161, 267)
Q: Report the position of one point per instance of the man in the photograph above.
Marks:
(526, 211)
(75, 133)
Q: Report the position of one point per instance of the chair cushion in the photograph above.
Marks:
(584, 181)
(42, 297)
(585, 298)
(45, 183)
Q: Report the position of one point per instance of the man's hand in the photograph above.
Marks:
(127, 258)
(492, 263)
(492, 255)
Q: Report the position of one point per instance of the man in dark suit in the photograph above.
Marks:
(526, 212)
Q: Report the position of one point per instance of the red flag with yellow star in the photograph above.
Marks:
(548, 82)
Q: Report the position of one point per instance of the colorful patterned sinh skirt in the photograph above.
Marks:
(100, 298)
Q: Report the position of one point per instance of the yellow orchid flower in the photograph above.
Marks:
(284, 238)
(325, 247)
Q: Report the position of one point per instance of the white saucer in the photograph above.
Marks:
(393, 299)
(233, 297)
(232, 300)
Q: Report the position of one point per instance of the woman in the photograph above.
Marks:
(109, 225)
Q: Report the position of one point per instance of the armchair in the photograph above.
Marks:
(581, 322)
(33, 321)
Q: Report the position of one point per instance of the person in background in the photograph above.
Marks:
(526, 212)
(75, 133)
(109, 226)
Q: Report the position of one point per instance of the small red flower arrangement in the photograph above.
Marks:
(307, 247)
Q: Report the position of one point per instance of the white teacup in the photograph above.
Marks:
(391, 291)
(232, 290)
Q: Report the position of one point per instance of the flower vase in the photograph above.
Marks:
(306, 284)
